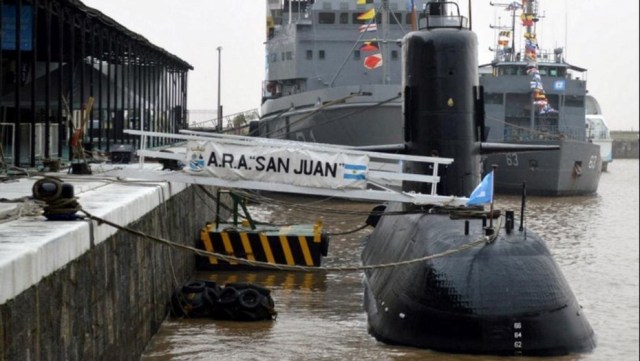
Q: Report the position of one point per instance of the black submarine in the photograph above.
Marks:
(506, 296)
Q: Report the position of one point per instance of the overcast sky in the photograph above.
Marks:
(598, 36)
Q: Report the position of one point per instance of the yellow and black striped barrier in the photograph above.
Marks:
(302, 245)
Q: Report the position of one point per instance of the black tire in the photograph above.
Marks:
(211, 297)
(193, 287)
(198, 307)
(267, 303)
(211, 284)
(228, 296)
(249, 298)
(243, 286)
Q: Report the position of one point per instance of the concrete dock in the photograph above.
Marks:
(79, 290)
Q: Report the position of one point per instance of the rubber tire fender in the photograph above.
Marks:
(243, 285)
(228, 296)
(211, 296)
(249, 298)
(193, 287)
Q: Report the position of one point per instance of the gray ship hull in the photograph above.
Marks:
(572, 170)
(351, 115)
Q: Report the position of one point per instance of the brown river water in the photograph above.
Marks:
(594, 239)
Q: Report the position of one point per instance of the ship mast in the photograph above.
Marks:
(512, 28)
(383, 44)
(529, 9)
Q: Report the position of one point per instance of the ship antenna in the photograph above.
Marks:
(522, 207)
(470, 18)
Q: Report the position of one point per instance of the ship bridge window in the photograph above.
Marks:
(574, 101)
(508, 70)
(289, 55)
(326, 18)
(321, 54)
(356, 54)
(309, 54)
(394, 54)
(344, 18)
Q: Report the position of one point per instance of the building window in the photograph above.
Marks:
(282, 56)
(344, 18)
(321, 54)
(289, 55)
(309, 54)
(356, 54)
(394, 54)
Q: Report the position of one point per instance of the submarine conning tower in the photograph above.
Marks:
(505, 295)
(440, 83)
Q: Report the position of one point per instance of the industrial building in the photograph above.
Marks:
(70, 73)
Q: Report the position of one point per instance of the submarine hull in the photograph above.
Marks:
(507, 297)
(504, 297)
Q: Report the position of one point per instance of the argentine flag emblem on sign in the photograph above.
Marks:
(355, 171)
(483, 194)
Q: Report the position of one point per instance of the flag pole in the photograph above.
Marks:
(494, 167)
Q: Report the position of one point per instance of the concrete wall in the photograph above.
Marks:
(107, 303)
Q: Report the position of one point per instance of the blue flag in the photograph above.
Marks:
(483, 194)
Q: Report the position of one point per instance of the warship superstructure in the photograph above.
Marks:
(535, 96)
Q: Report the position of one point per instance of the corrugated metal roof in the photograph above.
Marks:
(111, 23)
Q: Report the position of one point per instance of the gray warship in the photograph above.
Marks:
(325, 82)
(536, 97)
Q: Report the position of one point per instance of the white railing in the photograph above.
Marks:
(212, 146)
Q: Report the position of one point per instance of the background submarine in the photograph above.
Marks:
(506, 297)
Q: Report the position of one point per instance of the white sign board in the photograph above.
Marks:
(300, 167)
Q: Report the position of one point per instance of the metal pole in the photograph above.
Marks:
(219, 106)
(385, 38)
(494, 167)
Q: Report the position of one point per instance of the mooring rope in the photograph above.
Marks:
(57, 203)
(260, 264)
